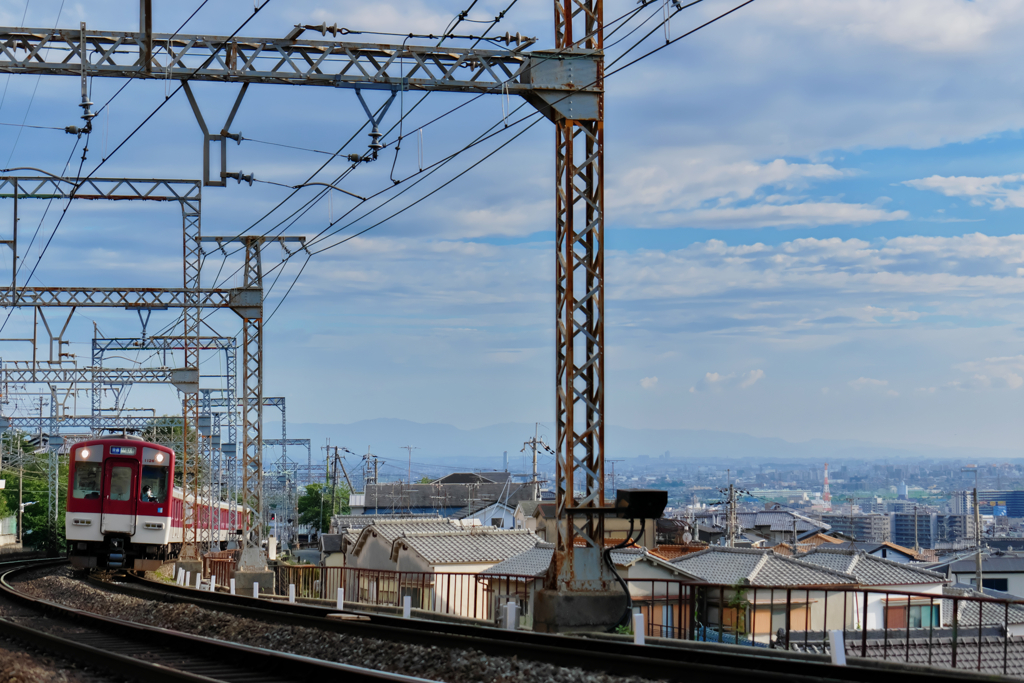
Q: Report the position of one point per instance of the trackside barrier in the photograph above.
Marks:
(946, 627)
(474, 596)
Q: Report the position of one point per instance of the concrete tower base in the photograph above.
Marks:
(564, 612)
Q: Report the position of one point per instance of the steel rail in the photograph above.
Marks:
(201, 660)
(688, 661)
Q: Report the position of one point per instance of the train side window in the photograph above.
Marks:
(120, 483)
(155, 478)
(87, 480)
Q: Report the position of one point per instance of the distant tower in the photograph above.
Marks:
(825, 495)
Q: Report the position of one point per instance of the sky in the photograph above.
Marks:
(812, 224)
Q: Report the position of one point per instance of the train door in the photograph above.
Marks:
(120, 482)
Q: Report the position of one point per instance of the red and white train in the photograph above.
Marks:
(124, 511)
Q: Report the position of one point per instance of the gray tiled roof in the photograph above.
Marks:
(390, 529)
(757, 567)
(482, 544)
(533, 562)
(340, 522)
(775, 520)
(330, 543)
(528, 507)
(991, 613)
(1009, 563)
(870, 570)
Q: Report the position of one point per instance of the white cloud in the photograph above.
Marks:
(750, 378)
(991, 373)
(999, 192)
(868, 383)
(649, 382)
(713, 381)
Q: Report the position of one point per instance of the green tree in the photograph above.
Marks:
(425, 480)
(20, 456)
(316, 503)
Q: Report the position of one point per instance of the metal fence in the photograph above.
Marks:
(954, 630)
(473, 596)
(220, 565)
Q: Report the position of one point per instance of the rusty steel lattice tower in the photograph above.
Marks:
(564, 83)
(579, 272)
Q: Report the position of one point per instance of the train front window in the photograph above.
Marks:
(87, 480)
(154, 484)
(120, 483)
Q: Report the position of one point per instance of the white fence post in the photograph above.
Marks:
(213, 583)
(838, 647)
(638, 628)
(180, 579)
(199, 580)
(188, 579)
(255, 589)
(232, 586)
(291, 592)
(511, 616)
(341, 599)
(407, 606)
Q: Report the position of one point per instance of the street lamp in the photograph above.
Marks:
(977, 529)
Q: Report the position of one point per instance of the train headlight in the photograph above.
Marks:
(159, 457)
(85, 453)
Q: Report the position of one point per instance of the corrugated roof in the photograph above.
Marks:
(482, 544)
(870, 570)
(757, 567)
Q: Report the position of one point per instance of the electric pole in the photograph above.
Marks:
(532, 445)
(410, 449)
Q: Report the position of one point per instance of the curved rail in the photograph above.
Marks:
(115, 645)
(681, 661)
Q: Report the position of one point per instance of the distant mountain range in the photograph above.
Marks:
(482, 448)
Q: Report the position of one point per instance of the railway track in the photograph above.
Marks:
(681, 661)
(156, 655)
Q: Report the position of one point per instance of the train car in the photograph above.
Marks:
(123, 510)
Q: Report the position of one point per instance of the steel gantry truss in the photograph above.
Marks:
(187, 193)
(566, 84)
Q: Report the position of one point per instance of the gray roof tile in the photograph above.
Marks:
(870, 570)
(533, 562)
(757, 567)
(474, 545)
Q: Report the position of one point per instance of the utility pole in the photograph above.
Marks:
(532, 445)
(410, 449)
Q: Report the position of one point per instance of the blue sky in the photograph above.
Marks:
(813, 223)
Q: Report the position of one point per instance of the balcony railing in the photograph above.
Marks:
(950, 631)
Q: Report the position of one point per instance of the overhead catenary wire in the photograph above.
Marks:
(679, 9)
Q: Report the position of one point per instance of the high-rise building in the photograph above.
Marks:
(1013, 500)
(870, 528)
(932, 527)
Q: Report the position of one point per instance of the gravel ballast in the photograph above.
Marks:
(442, 664)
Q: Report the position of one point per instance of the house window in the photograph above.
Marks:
(498, 522)
(915, 616)
(995, 584)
